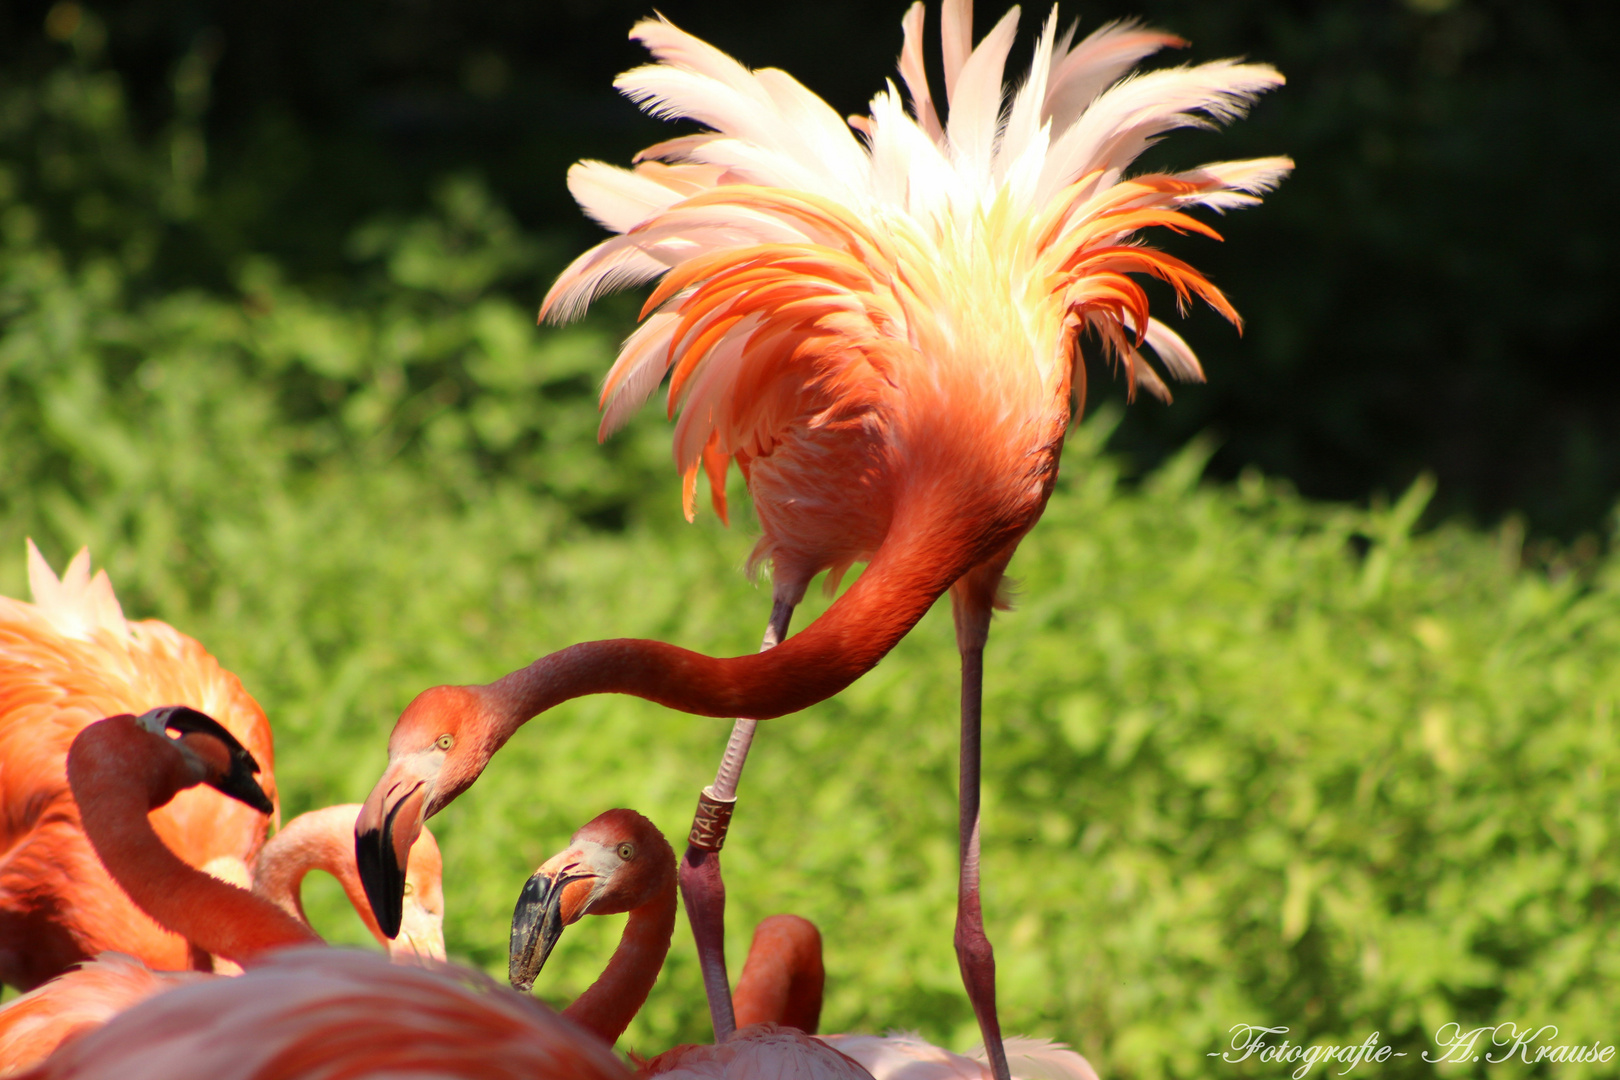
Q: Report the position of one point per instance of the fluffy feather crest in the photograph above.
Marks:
(76, 605)
(794, 254)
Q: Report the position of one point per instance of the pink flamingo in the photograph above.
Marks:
(67, 660)
(881, 323)
(123, 764)
(620, 862)
(86, 997)
(295, 1013)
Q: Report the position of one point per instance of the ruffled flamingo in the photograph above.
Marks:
(882, 327)
(620, 862)
(88, 996)
(67, 660)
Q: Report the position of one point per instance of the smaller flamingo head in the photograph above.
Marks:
(211, 754)
(616, 863)
(437, 749)
(421, 928)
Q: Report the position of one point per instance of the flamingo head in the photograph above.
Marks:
(212, 755)
(438, 748)
(616, 863)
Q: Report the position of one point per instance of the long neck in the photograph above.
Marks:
(783, 978)
(319, 840)
(117, 780)
(614, 999)
(912, 569)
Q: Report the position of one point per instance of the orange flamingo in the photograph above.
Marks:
(88, 996)
(620, 862)
(884, 333)
(67, 660)
(121, 769)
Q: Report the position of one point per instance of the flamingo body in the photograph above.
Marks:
(909, 1057)
(754, 1053)
(337, 1014)
(83, 999)
(67, 660)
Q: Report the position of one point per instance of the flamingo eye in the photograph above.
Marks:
(409, 889)
(445, 741)
(627, 851)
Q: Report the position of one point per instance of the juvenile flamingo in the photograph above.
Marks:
(67, 660)
(620, 862)
(86, 997)
(884, 333)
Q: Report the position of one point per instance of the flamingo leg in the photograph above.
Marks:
(702, 890)
(973, 952)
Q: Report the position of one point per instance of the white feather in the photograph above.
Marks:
(1125, 119)
(617, 199)
(976, 102)
(1080, 74)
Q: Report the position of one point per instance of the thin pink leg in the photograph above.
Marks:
(973, 953)
(702, 889)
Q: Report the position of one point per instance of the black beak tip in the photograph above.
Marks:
(238, 783)
(383, 879)
(254, 796)
(536, 926)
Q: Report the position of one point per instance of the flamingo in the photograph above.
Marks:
(884, 333)
(86, 997)
(120, 769)
(337, 1014)
(620, 862)
(67, 660)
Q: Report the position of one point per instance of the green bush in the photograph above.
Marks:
(1248, 759)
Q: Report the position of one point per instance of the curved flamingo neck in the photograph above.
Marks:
(318, 840)
(614, 999)
(119, 773)
(912, 569)
(783, 978)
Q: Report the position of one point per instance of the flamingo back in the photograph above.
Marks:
(325, 1014)
(35, 1024)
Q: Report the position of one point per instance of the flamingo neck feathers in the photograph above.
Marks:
(783, 979)
(613, 1000)
(118, 776)
(924, 554)
(318, 840)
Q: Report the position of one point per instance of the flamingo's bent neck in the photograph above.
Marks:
(614, 999)
(908, 573)
(119, 773)
(318, 840)
(783, 979)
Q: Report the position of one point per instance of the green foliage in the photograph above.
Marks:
(1249, 759)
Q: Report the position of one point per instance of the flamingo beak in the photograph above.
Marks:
(387, 826)
(237, 781)
(545, 906)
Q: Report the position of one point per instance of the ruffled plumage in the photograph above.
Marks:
(800, 252)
